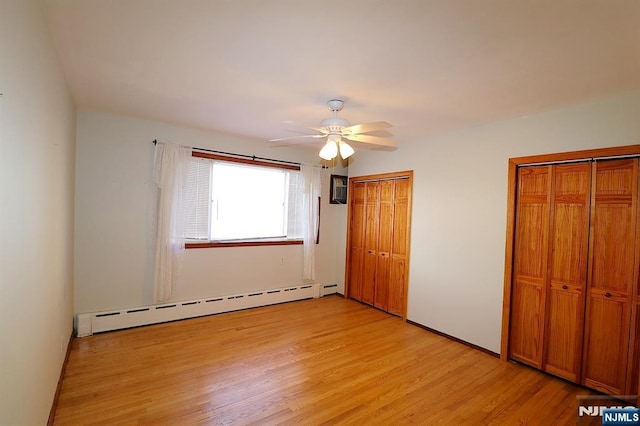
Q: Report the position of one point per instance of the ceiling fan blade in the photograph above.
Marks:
(294, 128)
(296, 137)
(366, 127)
(294, 142)
(322, 130)
(371, 139)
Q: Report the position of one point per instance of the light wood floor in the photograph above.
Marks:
(328, 360)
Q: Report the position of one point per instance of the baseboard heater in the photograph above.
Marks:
(97, 322)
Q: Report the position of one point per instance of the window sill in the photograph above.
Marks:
(245, 243)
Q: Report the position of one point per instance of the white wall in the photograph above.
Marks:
(459, 206)
(37, 138)
(113, 220)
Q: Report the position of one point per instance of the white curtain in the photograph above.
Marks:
(170, 174)
(311, 219)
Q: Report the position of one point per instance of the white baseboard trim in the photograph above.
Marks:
(97, 322)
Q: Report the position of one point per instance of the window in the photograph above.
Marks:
(230, 202)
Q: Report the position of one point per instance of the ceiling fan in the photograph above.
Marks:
(335, 130)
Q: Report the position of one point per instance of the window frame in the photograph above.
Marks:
(243, 242)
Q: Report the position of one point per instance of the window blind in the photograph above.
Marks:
(294, 205)
(198, 199)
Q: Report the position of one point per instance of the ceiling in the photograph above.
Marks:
(245, 67)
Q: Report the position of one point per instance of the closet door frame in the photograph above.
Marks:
(407, 174)
(514, 163)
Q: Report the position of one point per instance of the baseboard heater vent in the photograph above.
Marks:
(90, 323)
(328, 289)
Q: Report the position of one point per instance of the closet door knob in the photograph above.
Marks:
(607, 294)
(564, 287)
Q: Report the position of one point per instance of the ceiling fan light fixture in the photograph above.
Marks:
(329, 151)
(346, 150)
(335, 129)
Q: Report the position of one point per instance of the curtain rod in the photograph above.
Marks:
(253, 157)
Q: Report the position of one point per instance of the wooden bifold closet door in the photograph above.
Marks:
(371, 224)
(567, 269)
(550, 267)
(574, 268)
(378, 241)
(611, 275)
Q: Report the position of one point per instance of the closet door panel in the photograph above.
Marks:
(570, 242)
(568, 257)
(358, 194)
(371, 232)
(357, 225)
(372, 192)
(634, 368)
(356, 240)
(400, 225)
(526, 323)
(381, 297)
(397, 285)
(564, 335)
(611, 260)
(368, 277)
(386, 228)
(399, 249)
(531, 241)
(633, 364)
(530, 265)
(355, 273)
(402, 190)
(611, 274)
(386, 191)
(605, 362)
(385, 236)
